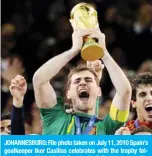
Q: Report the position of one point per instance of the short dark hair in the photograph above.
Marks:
(81, 67)
(6, 116)
(141, 129)
(140, 79)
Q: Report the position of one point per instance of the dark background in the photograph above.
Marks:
(33, 31)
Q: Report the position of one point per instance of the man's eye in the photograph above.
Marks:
(9, 127)
(2, 129)
(89, 80)
(142, 94)
(76, 82)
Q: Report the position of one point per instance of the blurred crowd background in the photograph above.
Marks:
(33, 31)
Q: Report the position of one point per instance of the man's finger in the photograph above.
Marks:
(94, 36)
(13, 81)
(89, 64)
(121, 130)
(22, 83)
(13, 86)
(84, 32)
(19, 79)
(98, 65)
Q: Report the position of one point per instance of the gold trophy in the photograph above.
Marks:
(84, 16)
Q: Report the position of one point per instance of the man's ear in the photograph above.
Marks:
(68, 94)
(99, 91)
(133, 103)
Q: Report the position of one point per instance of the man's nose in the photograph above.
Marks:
(7, 131)
(149, 98)
(82, 82)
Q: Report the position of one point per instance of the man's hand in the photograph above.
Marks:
(123, 131)
(18, 89)
(77, 38)
(97, 66)
(97, 34)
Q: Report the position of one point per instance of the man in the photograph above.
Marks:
(18, 89)
(82, 91)
(14, 123)
(141, 100)
(5, 124)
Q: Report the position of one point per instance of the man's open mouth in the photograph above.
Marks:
(84, 95)
(148, 107)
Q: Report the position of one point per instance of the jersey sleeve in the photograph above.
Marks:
(111, 125)
(115, 119)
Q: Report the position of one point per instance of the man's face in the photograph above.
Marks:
(83, 91)
(143, 102)
(5, 127)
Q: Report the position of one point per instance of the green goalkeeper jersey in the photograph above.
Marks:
(57, 122)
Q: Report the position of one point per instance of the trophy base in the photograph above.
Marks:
(91, 51)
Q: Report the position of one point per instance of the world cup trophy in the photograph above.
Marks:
(84, 16)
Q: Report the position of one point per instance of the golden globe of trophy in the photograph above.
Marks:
(84, 16)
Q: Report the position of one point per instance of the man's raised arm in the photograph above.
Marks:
(121, 101)
(18, 90)
(44, 93)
